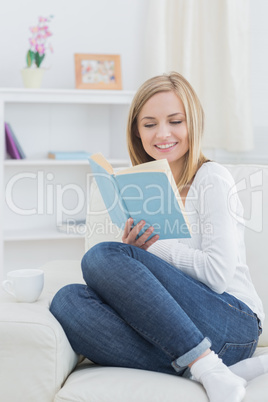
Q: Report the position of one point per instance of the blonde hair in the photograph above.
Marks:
(176, 83)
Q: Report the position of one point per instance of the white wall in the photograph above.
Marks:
(79, 26)
(115, 27)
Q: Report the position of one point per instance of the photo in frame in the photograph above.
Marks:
(98, 71)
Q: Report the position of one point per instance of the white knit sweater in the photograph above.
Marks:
(215, 254)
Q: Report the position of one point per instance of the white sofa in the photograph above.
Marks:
(37, 363)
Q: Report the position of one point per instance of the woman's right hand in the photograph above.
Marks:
(130, 235)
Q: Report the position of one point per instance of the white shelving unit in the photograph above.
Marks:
(39, 193)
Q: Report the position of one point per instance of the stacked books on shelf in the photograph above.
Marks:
(75, 155)
(13, 146)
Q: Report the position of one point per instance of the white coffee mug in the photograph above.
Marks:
(25, 285)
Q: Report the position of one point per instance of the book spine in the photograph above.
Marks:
(51, 155)
(16, 141)
(10, 144)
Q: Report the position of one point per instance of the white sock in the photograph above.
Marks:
(220, 383)
(251, 368)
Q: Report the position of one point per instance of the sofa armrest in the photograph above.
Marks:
(35, 354)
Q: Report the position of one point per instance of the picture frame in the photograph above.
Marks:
(98, 71)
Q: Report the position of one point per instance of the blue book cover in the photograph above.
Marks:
(147, 191)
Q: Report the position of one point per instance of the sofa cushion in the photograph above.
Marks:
(109, 384)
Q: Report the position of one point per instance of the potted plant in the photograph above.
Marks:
(32, 75)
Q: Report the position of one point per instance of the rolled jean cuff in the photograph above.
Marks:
(184, 360)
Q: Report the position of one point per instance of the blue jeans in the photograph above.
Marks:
(138, 311)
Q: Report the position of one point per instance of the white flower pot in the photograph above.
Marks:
(32, 77)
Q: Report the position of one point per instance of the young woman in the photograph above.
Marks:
(184, 307)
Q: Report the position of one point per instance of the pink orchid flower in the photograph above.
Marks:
(34, 29)
(40, 48)
(38, 42)
(32, 41)
(47, 34)
(42, 19)
(39, 37)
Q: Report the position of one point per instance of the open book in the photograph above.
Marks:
(147, 191)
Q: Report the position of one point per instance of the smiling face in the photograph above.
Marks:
(163, 130)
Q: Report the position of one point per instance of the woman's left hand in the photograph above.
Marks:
(130, 235)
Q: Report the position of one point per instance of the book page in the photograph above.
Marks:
(99, 158)
(154, 166)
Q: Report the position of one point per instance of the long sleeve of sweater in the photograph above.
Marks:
(215, 254)
(210, 256)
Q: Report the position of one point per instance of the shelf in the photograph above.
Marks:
(45, 119)
(39, 234)
(55, 162)
(14, 95)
